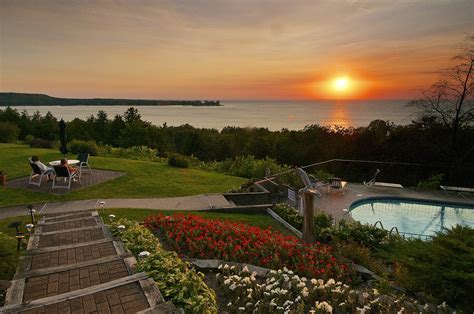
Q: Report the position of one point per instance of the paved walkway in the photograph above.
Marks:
(195, 202)
(74, 265)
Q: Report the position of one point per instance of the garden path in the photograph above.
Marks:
(73, 264)
(195, 202)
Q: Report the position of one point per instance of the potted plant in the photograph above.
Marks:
(3, 177)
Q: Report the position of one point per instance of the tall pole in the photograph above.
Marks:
(308, 217)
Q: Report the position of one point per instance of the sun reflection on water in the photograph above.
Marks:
(339, 116)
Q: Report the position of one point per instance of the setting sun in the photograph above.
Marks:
(341, 84)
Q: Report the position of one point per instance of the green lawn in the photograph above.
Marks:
(143, 179)
(260, 220)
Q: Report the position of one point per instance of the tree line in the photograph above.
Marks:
(424, 141)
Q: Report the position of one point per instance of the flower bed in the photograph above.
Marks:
(282, 291)
(197, 237)
(177, 282)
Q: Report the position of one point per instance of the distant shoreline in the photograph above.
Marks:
(37, 100)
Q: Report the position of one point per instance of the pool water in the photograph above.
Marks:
(413, 218)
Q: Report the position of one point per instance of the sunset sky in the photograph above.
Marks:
(229, 49)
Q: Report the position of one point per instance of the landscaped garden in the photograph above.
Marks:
(143, 179)
(285, 288)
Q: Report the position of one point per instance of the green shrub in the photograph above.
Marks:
(78, 146)
(366, 235)
(8, 256)
(322, 221)
(432, 183)
(8, 132)
(40, 143)
(441, 268)
(177, 282)
(135, 152)
(177, 160)
(28, 139)
(361, 255)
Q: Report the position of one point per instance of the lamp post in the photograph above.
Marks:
(32, 213)
(29, 227)
(19, 236)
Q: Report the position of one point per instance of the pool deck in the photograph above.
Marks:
(337, 204)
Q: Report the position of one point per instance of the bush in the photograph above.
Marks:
(78, 146)
(8, 256)
(245, 166)
(134, 152)
(322, 222)
(177, 160)
(28, 139)
(432, 183)
(177, 282)
(441, 268)
(366, 235)
(40, 143)
(8, 132)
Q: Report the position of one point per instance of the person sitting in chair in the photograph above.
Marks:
(45, 169)
(72, 170)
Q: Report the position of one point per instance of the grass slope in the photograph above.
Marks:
(143, 179)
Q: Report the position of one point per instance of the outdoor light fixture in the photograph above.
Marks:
(111, 217)
(121, 228)
(102, 204)
(32, 213)
(29, 227)
(19, 236)
(144, 254)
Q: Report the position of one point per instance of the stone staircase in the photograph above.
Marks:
(74, 265)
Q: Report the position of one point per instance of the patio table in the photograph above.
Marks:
(72, 162)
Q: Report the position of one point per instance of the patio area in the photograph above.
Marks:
(336, 204)
(87, 179)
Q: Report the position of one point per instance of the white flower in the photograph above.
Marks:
(245, 269)
(283, 291)
(220, 266)
(342, 303)
(227, 281)
(272, 303)
(324, 306)
(376, 292)
(247, 280)
(314, 281)
(217, 275)
(232, 267)
(331, 282)
(305, 292)
(241, 308)
(273, 272)
(298, 299)
(232, 287)
(303, 279)
(287, 303)
(249, 290)
(301, 285)
(254, 274)
(336, 290)
(226, 266)
(286, 278)
(365, 295)
(248, 304)
(229, 304)
(401, 310)
(266, 294)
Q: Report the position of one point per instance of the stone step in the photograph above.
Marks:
(71, 255)
(69, 237)
(129, 294)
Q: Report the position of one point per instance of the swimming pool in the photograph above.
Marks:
(416, 218)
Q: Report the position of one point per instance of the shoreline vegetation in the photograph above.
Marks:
(25, 99)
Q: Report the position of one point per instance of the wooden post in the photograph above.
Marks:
(308, 218)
